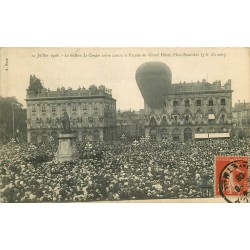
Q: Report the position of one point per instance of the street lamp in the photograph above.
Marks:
(13, 117)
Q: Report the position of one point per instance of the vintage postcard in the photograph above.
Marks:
(124, 124)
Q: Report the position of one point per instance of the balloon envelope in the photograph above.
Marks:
(153, 80)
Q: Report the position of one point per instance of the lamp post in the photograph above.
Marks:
(13, 120)
(13, 105)
(234, 129)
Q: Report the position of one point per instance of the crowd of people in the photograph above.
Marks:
(118, 170)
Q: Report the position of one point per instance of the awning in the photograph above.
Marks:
(211, 116)
(211, 135)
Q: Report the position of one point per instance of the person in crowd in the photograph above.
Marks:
(111, 171)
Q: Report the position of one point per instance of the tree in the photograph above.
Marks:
(35, 85)
(10, 108)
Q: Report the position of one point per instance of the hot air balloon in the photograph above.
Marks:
(154, 80)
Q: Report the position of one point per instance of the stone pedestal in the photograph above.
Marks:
(67, 150)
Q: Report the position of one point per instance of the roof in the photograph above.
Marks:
(241, 106)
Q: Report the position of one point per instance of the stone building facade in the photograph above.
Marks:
(241, 120)
(92, 113)
(192, 111)
(130, 124)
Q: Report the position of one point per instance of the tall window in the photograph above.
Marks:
(222, 102)
(210, 103)
(43, 108)
(33, 122)
(33, 108)
(186, 103)
(54, 108)
(198, 102)
(74, 107)
(175, 103)
(84, 106)
(53, 122)
(63, 108)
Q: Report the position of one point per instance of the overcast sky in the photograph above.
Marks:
(117, 72)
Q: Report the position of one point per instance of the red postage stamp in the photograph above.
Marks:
(231, 176)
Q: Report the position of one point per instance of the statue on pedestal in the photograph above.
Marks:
(66, 123)
(67, 149)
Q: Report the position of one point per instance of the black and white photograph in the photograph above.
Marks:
(124, 124)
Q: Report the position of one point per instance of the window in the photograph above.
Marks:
(63, 108)
(33, 109)
(222, 118)
(164, 130)
(74, 122)
(211, 130)
(176, 138)
(95, 106)
(84, 106)
(175, 103)
(53, 122)
(74, 107)
(33, 122)
(54, 108)
(211, 121)
(186, 103)
(198, 102)
(222, 102)
(210, 103)
(43, 108)
(199, 130)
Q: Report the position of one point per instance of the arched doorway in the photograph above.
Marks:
(96, 135)
(33, 137)
(153, 134)
(76, 135)
(44, 137)
(187, 134)
(222, 116)
(176, 134)
(187, 116)
(54, 134)
(85, 134)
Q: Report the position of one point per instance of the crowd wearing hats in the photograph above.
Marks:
(115, 171)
